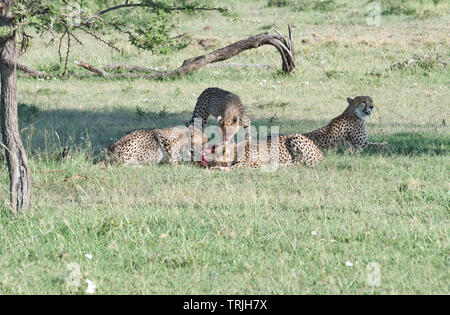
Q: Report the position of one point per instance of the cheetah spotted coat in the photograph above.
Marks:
(284, 150)
(349, 126)
(148, 146)
(216, 102)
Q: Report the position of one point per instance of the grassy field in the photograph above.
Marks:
(299, 230)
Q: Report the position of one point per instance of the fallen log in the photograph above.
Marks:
(92, 68)
(128, 67)
(28, 71)
(239, 65)
(284, 46)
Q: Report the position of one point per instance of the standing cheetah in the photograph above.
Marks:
(226, 107)
(283, 150)
(147, 146)
(349, 126)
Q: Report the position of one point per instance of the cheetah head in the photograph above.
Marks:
(222, 154)
(230, 120)
(229, 126)
(361, 106)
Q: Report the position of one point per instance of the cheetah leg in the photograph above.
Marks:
(173, 155)
(359, 144)
(248, 134)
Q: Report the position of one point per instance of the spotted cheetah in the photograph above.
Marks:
(226, 107)
(349, 126)
(148, 146)
(283, 150)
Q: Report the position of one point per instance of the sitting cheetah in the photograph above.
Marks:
(147, 146)
(226, 107)
(282, 150)
(349, 126)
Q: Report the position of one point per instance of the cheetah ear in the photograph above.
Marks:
(219, 118)
(349, 100)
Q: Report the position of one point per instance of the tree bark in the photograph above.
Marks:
(16, 158)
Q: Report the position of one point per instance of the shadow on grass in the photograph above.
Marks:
(414, 143)
(48, 131)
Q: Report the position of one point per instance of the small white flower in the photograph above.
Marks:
(81, 138)
(88, 256)
(54, 78)
(306, 82)
(341, 74)
(264, 81)
(414, 84)
(48, 78)
(91, 286)
(146, 100)
(349, 264)
(314, 232)
(323, 62)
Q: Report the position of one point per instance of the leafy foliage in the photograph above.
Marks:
(397, 7)
(151, 28)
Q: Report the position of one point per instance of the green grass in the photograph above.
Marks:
(181, 230)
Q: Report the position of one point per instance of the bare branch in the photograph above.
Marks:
(100, 39)
(117, 7)
(153, 5)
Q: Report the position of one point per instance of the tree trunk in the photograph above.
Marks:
(16, 158)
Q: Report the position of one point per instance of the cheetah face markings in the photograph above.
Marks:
(229, 126)
(363, 106)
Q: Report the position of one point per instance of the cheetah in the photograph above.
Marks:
(147, 146)
(226, 107)
(349, 126)
(283, 150)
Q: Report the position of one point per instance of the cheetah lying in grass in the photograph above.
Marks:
(349, 126)
(284, 150)
(147, 146)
